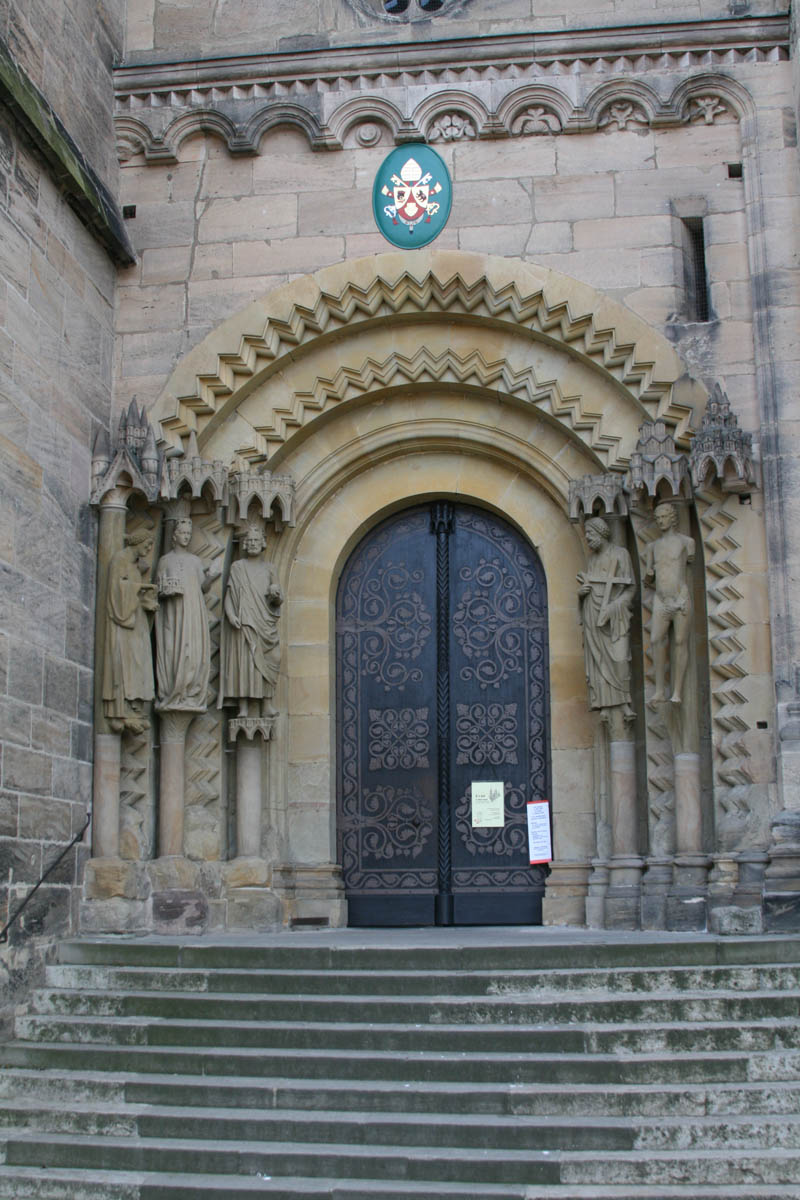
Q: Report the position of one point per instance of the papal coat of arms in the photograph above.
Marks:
(412, 196)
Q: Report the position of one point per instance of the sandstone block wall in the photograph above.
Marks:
(56, 353)
(210, 27)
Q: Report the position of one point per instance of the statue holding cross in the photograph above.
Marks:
(606, 590)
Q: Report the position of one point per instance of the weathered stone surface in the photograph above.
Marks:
(246, 873)
(177, 911)
(171, 874)
(107, 878)
(733, 921)
(254, 908)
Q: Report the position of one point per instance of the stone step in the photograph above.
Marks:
(597, 1010)
(540, 983)
(465, 1131)
(333, 1161)
(684, 1167)
(21, 1183)
(607, 951)
(533, 1168)
(637, 1071)
(431, 1128)
(633, 1037)
(48, 1184)
(90, 1089)
(477, 1066)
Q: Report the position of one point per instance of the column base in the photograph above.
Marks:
(312, 896)
(687, 900)
(596, 894)
(624, 896)
(564, 900)
(655, 887)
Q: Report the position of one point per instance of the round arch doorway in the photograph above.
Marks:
(442, 682)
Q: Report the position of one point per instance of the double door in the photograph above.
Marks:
(442, 683)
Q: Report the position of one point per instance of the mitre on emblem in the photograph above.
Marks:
(411, 192)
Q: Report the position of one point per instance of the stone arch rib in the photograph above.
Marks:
(200, 400)
(471, 370)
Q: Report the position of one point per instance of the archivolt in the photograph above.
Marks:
(401, 294)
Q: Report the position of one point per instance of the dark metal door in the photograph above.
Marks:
(442, 682)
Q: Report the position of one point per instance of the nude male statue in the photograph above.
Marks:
(666, 562)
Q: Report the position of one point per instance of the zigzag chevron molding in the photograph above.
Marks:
(245, 366)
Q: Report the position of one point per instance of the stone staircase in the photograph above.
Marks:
(363, 1066)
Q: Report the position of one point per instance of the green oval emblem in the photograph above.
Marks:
(412, 196)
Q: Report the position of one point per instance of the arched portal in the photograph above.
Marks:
(379, 386)
(442, 688)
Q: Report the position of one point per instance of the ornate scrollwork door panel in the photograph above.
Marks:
(387, 803)
(442, 680)
(499, 718)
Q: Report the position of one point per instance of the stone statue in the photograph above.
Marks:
(666, 562)
(250, 650)
(606, 592)
(127, 657)
(183, 645)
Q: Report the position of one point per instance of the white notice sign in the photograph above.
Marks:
(539, 845)
(488, 806)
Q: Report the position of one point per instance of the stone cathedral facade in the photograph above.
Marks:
(311, 523)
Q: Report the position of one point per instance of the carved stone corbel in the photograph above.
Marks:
(656, 460)
(721, 449)
(604, 490)
(263, 489)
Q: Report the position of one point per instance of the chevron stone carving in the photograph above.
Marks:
(258, 356)
(447, 367)
(732, 774)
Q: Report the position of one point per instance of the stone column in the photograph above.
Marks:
(107, 747)
(249, 781)
(174, 726)
(625, 868)
(687, 904)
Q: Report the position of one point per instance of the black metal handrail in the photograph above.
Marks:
(34, 890)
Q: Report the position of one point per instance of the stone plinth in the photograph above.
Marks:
(176, 895)
(597, 889)
(623, 898)
(565, 894)
(655, 886)
(687, 900)
(782, 876)
(312, 895)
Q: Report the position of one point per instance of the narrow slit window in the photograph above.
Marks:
(696, 277)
